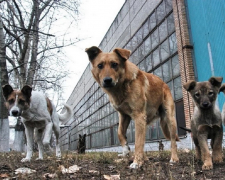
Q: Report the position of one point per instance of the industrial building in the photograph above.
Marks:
(177, 40)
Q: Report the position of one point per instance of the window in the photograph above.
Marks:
(147, 46)
(164, 50)
(177, 88)
(161, 12)
(167, 72)
(148, 61)
(155, 57)
(173, 43)
(163, 31)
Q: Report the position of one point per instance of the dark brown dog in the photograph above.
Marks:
(206, 122)
(81, 145)
(136, 95)
(161, 145)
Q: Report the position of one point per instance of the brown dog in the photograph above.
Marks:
(81, 145)
(136, 95)
(206, 122)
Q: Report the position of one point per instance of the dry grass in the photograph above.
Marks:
(95, 165)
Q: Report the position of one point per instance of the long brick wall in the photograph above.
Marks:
(185, 54)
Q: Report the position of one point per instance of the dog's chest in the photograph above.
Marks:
(123, 107)
(34, 119)
(209, 118)
(36, 124)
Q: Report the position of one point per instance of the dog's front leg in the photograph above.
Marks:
(29, 131)
(124, 122)
(216, 144)
(140, 131)
(206, 157)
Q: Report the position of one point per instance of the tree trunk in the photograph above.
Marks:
(34, 50)
(4, 122)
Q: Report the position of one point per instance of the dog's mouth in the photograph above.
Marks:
(206, 105)
(108, 85)
(108, 82)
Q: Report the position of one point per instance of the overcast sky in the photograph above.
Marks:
(96, 16)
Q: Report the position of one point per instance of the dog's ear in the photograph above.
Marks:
(189, 85)
(222, 88)
(6, 90)
(216, 81)
(80, 136)
(92, 52)
(26, 90)
(123, 53)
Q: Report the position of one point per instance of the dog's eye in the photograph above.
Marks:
(11, 101)
(197, 94)
(210, 93)
(21, 102)
(100, 66)
(114, 65)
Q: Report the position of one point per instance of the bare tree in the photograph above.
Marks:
(34, 46)
(4, 123)
(35, 41)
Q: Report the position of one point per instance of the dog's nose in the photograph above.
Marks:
(107, 80)
(15, 113)
(205, 104)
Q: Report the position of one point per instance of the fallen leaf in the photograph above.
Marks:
(186, 150)
(93, 171)
(48, 175)
(111, 177)
(193, 173)
(71, 169)
(118, 160)
(24, 170)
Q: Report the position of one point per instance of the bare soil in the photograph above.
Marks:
(96, 165)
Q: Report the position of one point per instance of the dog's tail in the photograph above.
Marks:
(186, 129)
(67, 115)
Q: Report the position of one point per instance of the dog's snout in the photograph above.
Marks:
(107, 80)
(15, 112)
(206, 104)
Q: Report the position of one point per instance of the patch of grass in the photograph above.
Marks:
(96, 164)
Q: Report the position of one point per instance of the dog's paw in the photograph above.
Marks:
(126, 151)
(174, 160)
(25, 160)
(207, 166)
(134, 166)
(37, 159)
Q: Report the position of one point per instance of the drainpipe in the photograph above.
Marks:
(211, 66)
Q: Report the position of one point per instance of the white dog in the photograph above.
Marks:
(38, 115)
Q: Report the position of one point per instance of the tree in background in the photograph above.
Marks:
(36, 33)
(4, 124)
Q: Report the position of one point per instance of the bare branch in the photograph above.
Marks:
(13, 35)
(13, 64)
(20, 15)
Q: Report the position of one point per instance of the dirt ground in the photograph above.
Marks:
(108, 166)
